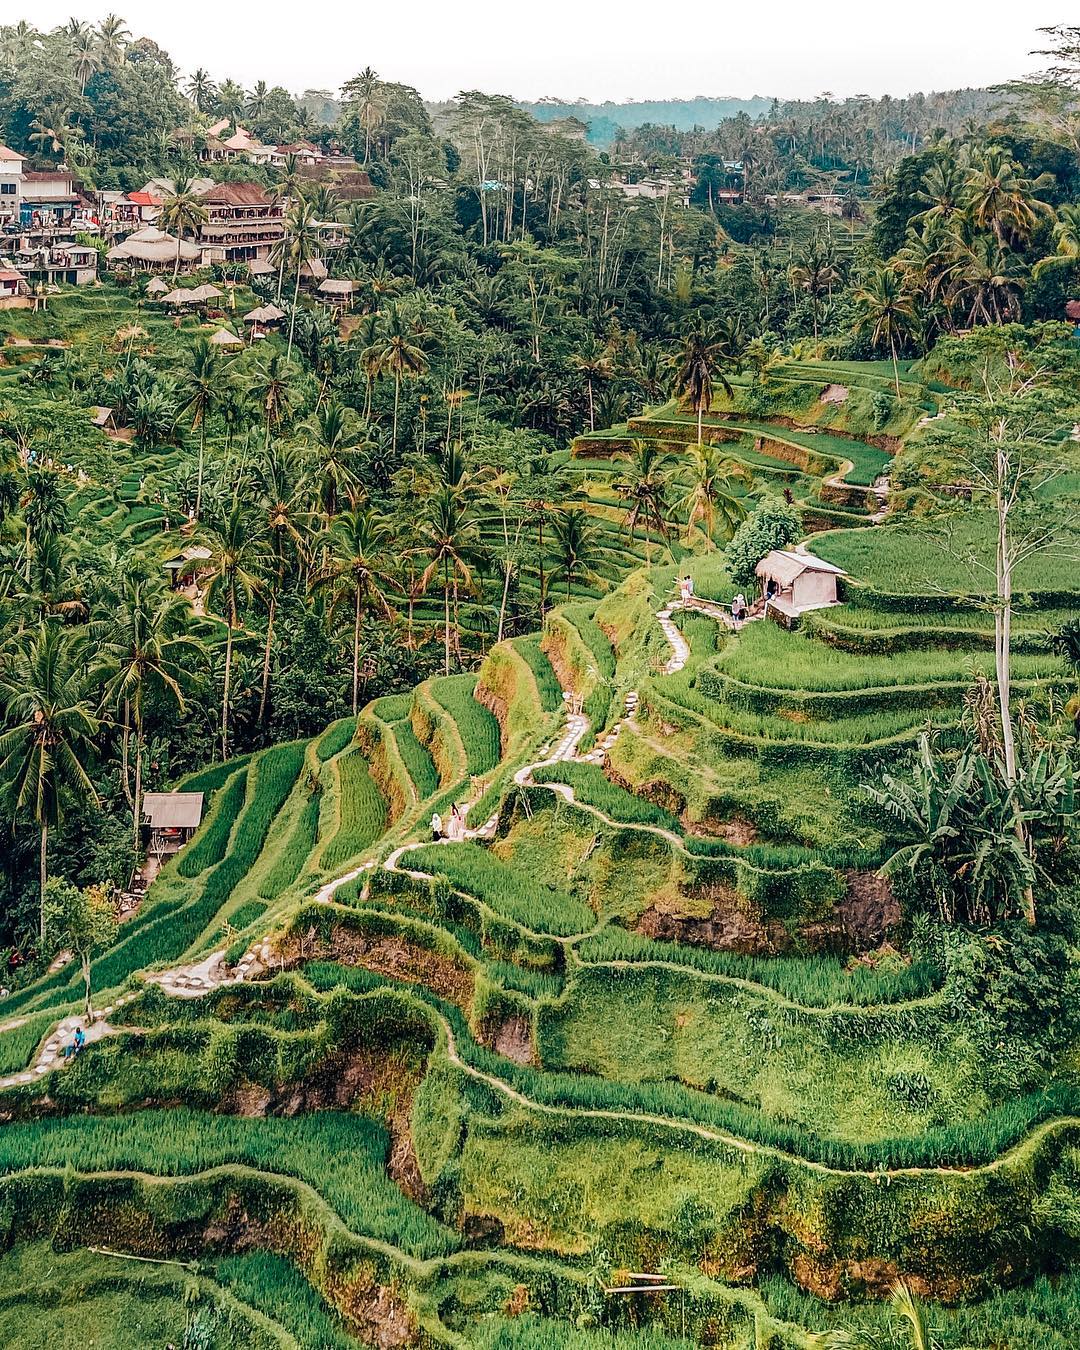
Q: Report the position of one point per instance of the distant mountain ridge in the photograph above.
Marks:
(603, 119)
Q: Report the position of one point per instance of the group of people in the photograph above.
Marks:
(686, 589)
(455, 826)
(739, 610)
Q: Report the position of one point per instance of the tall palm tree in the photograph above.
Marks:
(401, 354)
(201, 90)
(357, 572)
(594, 364)
(303, 236)
(235, 571)
(450, 539)
(113, 37)
(998, 198)
(43, 754)
(272, 389)
(576, 539)
(334, 439)
(288, 530)
(888, 311)
(365, 91)
(709, 497)
(643, 486)
(183, 213)
(699, 366)
(202, 389)
(1066, 240)
(143, 645)
(257, 99)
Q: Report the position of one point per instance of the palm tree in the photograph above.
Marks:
(113, 37)
(816, 273)
(450, 540)
(998, 198)
(182, 213)
(201, 90)
(888, 310)
(357, 572)
(235, 571)
(594, 363)
(273, 391)
(202, 393)
(1066, 239)
(303, 237)
(143, 645)
(365, 91)
(257, 99)
(576, 537)
(699, 366)
(288, 527)
(643, 487)
(401, 354)
(709, 496)
(43, 755)
(335, 440)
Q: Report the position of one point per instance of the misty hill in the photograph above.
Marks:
(682, 113)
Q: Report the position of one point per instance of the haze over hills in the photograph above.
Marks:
(604, 119)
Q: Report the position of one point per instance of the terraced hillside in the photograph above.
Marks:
(655, 1018)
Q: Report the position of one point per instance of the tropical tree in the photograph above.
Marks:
(1066, 240)
(43, 755)
(333, 437)
(888, 311)
(272, 389)
(183, 213)
(201, 90)
(365, 100)
(699, 367)
(201, 393)
(402, 355)
(450, 539)
(234, 574)
(142, 643)
(301, 231)
(643, 485)
(709, 499)
(594, 364)
(83, 922)
(358, 572)
(575, 537)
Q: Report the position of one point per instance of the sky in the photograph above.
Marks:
(594, 49)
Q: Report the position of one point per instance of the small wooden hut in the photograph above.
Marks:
(793, 583)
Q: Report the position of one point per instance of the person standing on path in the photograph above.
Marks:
(436, 827)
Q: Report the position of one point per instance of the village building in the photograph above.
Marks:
(56, 264)
(242, 222)
(152, 250)
(14, 290)
(50, 200)
(793, 583)
(171, 818)
(11, 172)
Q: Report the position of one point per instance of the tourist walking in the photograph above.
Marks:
(436, 826)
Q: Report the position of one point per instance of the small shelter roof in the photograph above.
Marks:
(101, 417)
(157, 286)
(783, 566)
(173, 810)
(153, 245)
(264, 314)
(223, 338)
(332, 286)
(204, 292)
(314, 268)
(177, 297)
(259, 267)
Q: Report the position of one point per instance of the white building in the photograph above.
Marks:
(11, 168)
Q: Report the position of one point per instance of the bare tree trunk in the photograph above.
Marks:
(356, 654)
(225, 690)
(44, 876)
(136, 808)
(265, 694)
(446, 620)
(125, 741)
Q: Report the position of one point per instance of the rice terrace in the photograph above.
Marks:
(539, 712)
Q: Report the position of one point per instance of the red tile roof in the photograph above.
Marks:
(5, 153)
(143, 199)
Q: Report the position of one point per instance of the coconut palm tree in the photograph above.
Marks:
(708, 497)
(273, 391)
(401, 354)
(365, 93)
(235, 571)
(334, 438)
(698, 368)
(202, 390)
(575, 536)
(450, 539)
(43, 754)
(643, 486)
(888, 311)
(303, 238)
(113, 38)
(594, 363)
(1066, 239)
(183, 213)
(201, 91)
(358, 572)
(142, 644)
(288, 527)
(998, 198)
(256, 100)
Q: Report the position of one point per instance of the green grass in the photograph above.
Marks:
(19, 1043)
(525, 899)
(477, 727)
(362, 812)
(276, 1288)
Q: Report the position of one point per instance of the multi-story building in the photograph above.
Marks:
(242, 222)
(11, 172)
